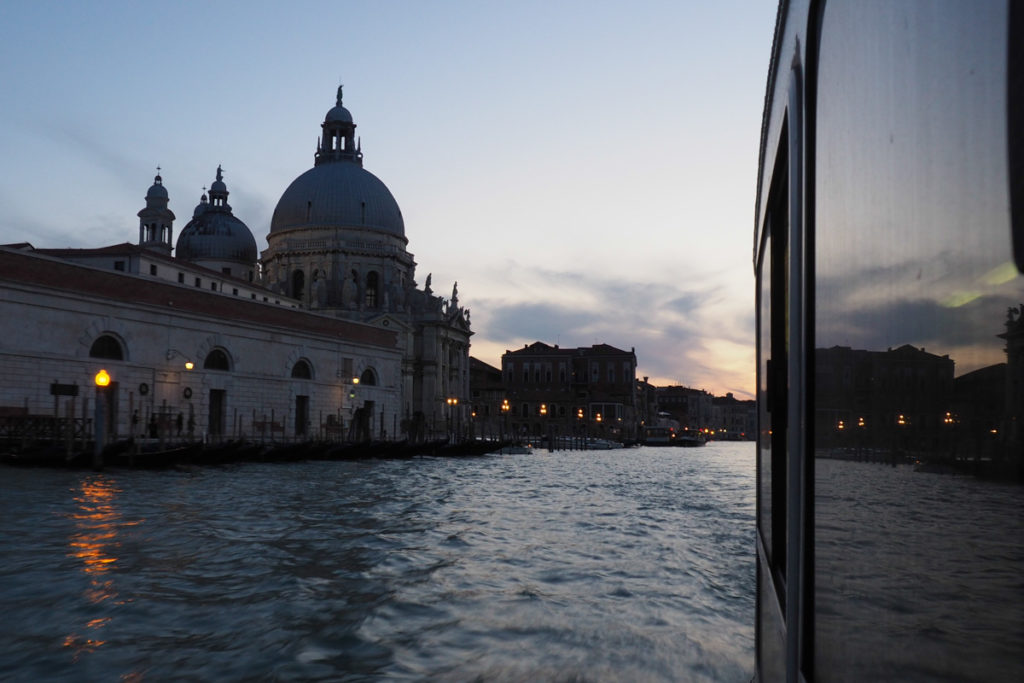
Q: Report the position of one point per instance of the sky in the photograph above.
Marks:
(585, 170)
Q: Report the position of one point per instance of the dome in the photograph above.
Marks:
(214, 234)
(157, 190)
(201, 206)
(338, 114)
(338, 195)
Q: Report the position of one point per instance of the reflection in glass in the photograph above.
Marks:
(919, 537)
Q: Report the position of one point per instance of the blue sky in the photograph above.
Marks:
(584, 170)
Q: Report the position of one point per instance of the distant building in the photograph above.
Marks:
(733, 419)
(691, 408)
(576, 391)
(487, 395)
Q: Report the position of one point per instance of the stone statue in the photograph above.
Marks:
(339, 94)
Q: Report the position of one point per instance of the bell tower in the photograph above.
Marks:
(156, 221)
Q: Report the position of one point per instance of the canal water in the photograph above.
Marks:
(633, 564)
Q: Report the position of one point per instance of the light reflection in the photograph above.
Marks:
(95, 543)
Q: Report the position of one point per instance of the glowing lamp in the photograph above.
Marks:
(102, 378)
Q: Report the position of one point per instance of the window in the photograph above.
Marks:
(106, 346)
(217, 360)
(371, 289)
(119, 265)
(199, 282)
(368, 378)
(181, 278)
(226, 270)
(302, 370)
(234, 291)
(152, 269)
(213, 286)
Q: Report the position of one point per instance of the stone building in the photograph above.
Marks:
(487, 394)
(690, 408)
(337, 245)
(328, 336)
(569, 392)
(228, 365)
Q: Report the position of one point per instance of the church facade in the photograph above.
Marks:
(327, 336)
(337, 244)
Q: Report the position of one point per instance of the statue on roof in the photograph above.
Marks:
(339, 94)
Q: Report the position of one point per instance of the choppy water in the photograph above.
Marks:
(632, 564)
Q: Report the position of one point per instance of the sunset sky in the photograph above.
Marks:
(584, 170)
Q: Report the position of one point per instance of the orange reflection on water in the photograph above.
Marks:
(95, 542)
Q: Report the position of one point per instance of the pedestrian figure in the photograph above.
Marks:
(179, 422)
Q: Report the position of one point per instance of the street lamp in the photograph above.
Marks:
(102, 381)
(452, 402)
(171, 353)
(505, 407)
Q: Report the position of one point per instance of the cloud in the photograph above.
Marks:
(680, 334)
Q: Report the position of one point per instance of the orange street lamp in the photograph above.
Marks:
(102, 378)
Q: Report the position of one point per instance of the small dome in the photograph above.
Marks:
(157, 189)
(201, 206)
(216, 235)
(218, 186)
(338, 114)
(338, 195)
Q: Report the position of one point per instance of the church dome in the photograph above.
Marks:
(216, 236)
(214, 233)
(338, 195)
(338, 192)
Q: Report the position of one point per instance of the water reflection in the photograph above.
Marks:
(95, 544)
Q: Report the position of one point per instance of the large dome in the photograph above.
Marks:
(341, 195)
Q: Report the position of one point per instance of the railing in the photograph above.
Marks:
(374, 247)
(34, 428)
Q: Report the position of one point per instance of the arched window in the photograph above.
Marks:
(108, 347)
(301, 370)
(371, 289)
(369, 377)
(298, 284)
(216, 360)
